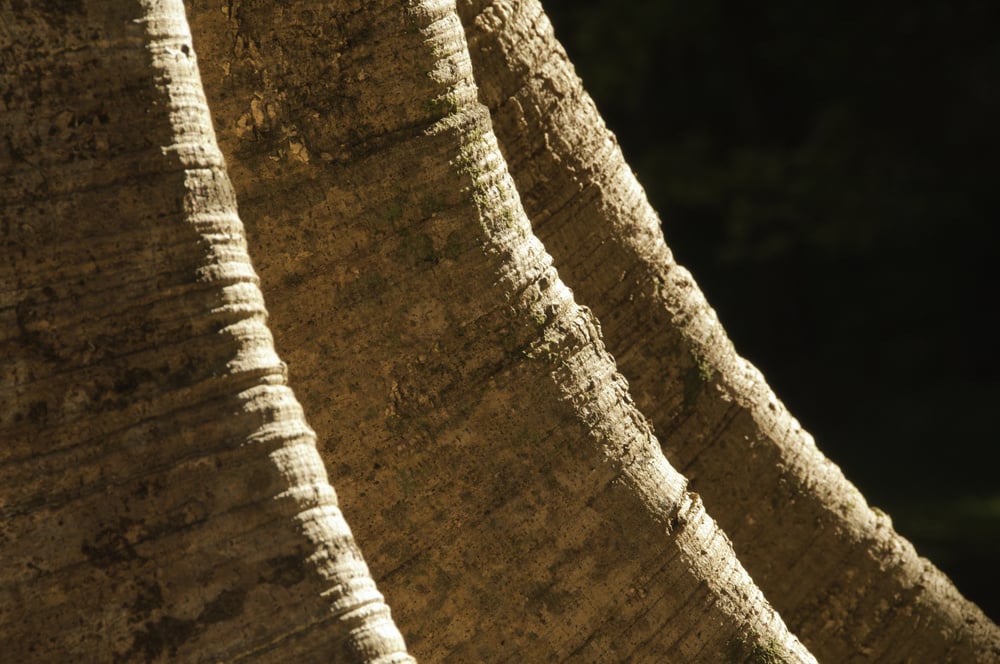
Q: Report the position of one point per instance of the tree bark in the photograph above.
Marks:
(160, 492)
(847, 584)
(516, 505)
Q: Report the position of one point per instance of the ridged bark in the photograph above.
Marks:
(513, 503)
(161, 496)
(844, 581)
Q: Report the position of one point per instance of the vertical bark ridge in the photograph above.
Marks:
(846, 582)
(517, 506)
(160, 491)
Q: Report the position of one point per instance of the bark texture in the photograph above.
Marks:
(161, 496)
(847, 584)
(513, 503)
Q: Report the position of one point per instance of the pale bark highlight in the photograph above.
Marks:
(515, 504)
(843, 579)
(161, 493)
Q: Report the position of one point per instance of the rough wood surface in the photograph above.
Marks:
(846, 583)
(512, 502)
(161, 497)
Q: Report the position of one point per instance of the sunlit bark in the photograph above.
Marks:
(511, 500)
(847, 584)
(161, 497)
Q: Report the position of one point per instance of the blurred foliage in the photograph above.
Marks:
(827, 170)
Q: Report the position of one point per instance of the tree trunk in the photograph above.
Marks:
(512, 501)
(161, 494)
(842, 578)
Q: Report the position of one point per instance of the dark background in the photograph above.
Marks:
(828, 172)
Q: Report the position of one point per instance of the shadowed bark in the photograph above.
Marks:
(843, 579)
(161, 497)
(512, 502)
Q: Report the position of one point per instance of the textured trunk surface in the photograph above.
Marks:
(161, 496)
(844, 581)
(512, 502)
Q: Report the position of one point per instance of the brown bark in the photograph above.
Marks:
(161, 497)
(850, 586)
(512, 501)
